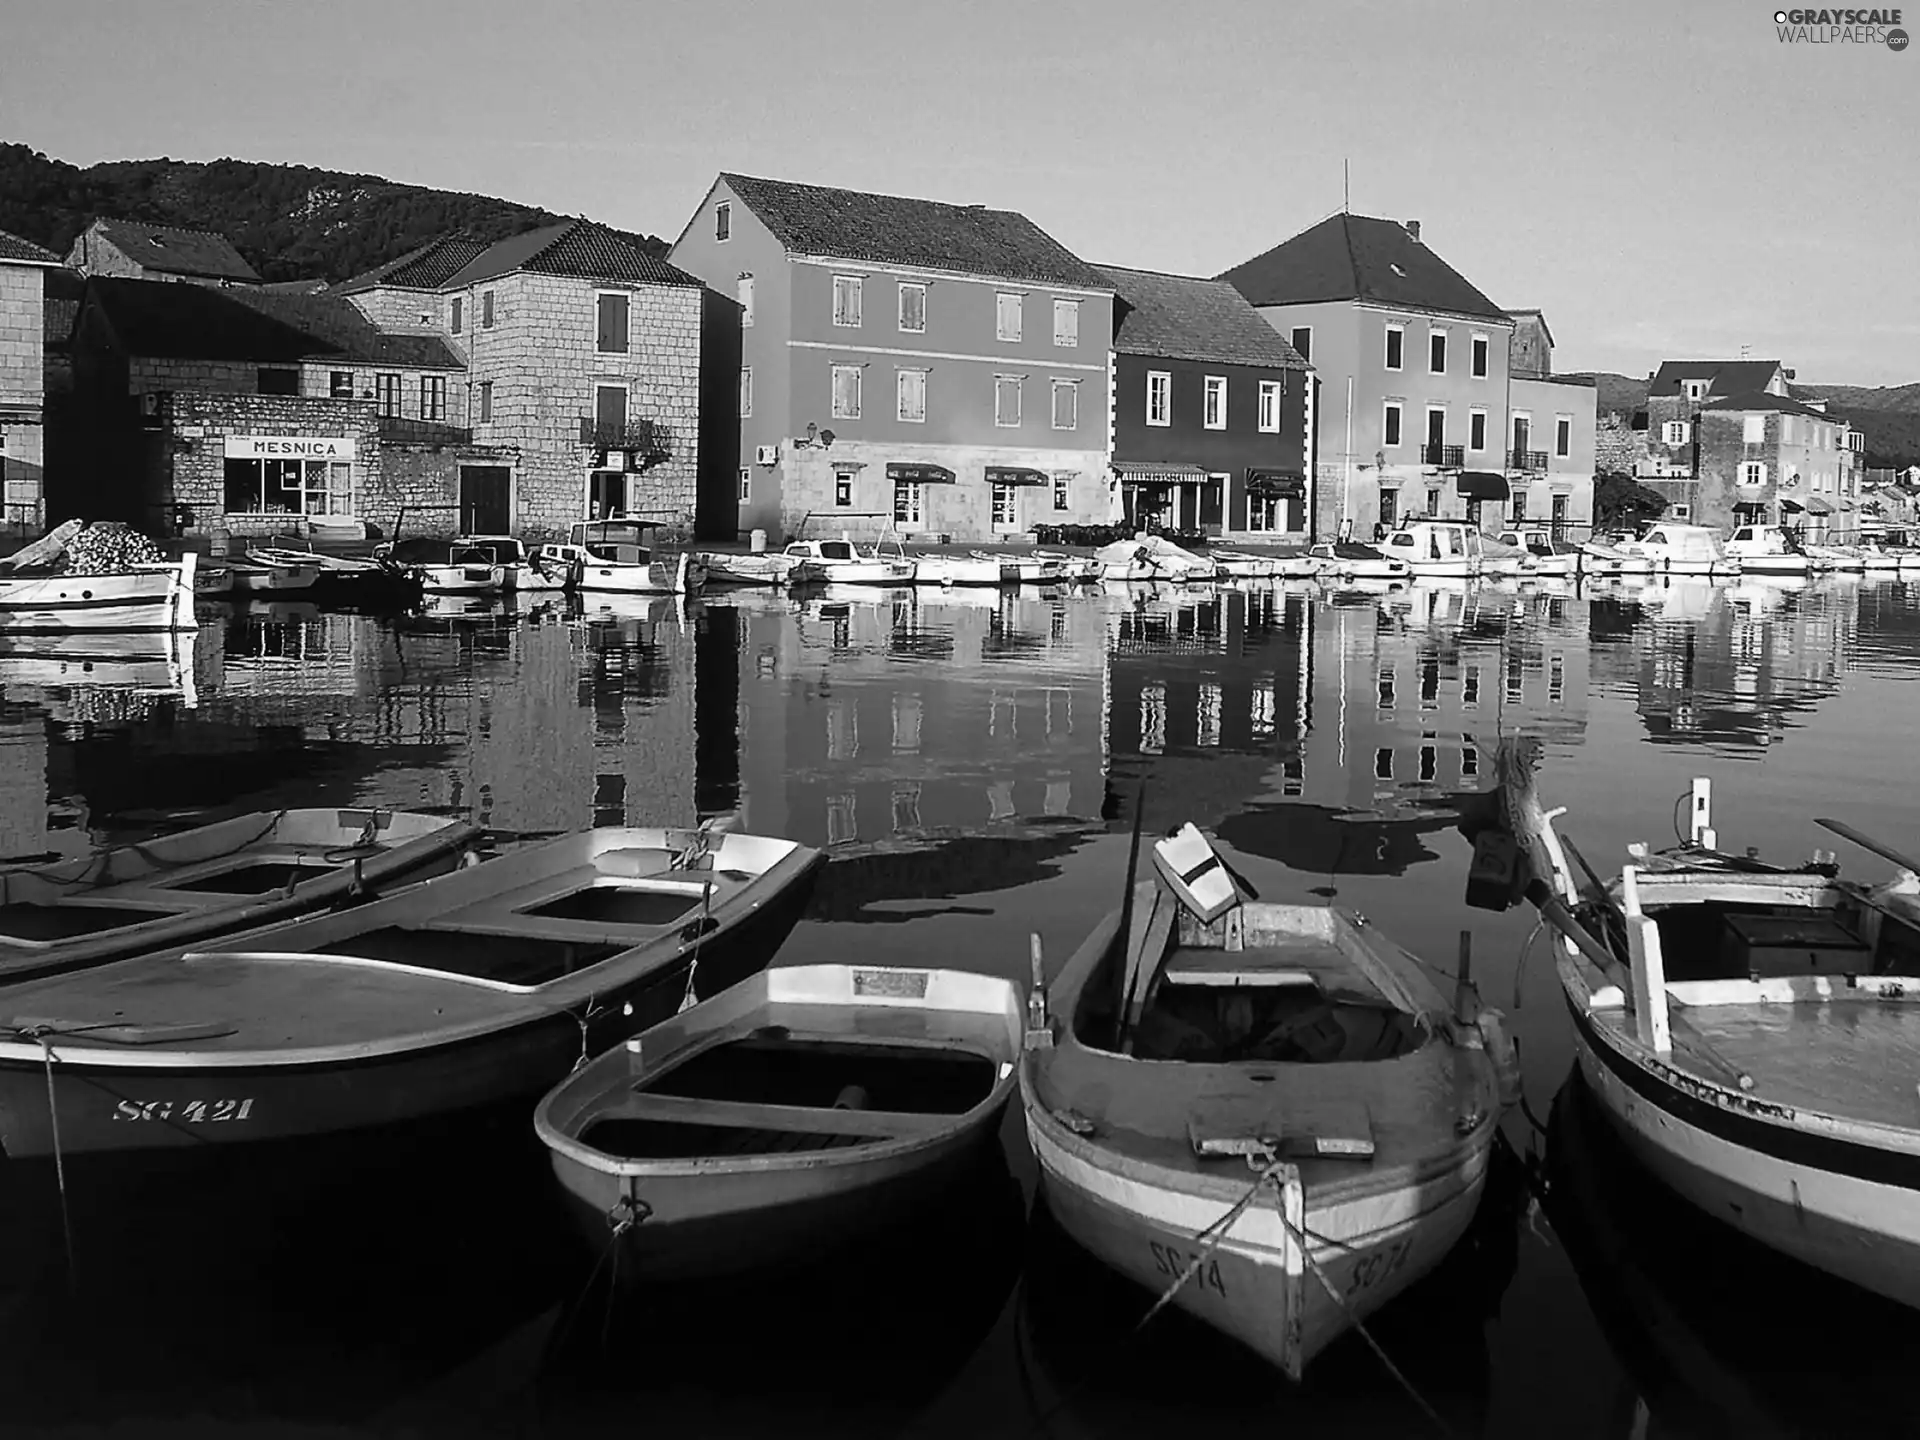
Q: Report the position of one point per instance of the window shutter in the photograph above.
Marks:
(613, 324)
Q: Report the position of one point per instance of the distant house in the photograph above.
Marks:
(135, 250)
(1675, 393)
(1766, 458)
(906, 365)
(1553, 423)
(1209, 411)
(23, 270)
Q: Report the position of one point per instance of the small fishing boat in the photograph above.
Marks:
(841, 564)
(770, 568)
(1243, 565)
(210, 582)
(1875, 558)
(1600, 560)
(1266, 1111)
(1845, 559)
(1748, 1029)
(142, 597)
(1500, 559)
(232, 875)
(1036, 568)
(1349, 560)
(932, 567)
(1768, 550)
(523, 569)
(479, 989)
(253, 576)
(341, 579)
(1552, 557)
(1684, 550)
(1073, 568)
(619, 557)
(1153, 557)
(1436, 549)
(792, 1114)
(441, 567)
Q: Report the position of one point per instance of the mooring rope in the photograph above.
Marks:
(59, 1158)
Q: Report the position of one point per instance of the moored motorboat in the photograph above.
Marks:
(772, 568)
(1436, 549)
(142, 597)
(210, 582)
(341, 579)
(1077, 568)
(253, 576)
(1768, 550)
(619, 557)
(790, 1115)
(523, 568)
(841, 564)
(1153, 557)
(1845, 559)
(1504, 560)
(478, 989)
(1349, 560)
(1272, 1105)
(1552, 557)
(1748, 1029)
(932, 567)
(1676, 549)
(441, 567)
(1243, 565)
(231, 875)
(1034, 568)
(1601, 561)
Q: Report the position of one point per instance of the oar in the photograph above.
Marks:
(1126, 910)
(1867, 842)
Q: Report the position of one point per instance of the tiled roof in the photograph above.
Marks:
(1357, 257)
(573, 247)
(158, 320)
(25, 252)
(1181, 317)
(895, 230)
(1724, 377)
(1763, 400)
(427, 267)
(174, 251)
(295, 287)
(338, 324)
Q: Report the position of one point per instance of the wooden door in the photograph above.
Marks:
(486, 500)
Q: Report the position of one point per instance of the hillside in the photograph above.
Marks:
(1616, 394)
(291, 222)
(1888, 416)
(1904, 399)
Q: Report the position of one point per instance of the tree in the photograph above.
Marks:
(1621, 502)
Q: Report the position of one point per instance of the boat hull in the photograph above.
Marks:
(155, 597)
(1790, 1191)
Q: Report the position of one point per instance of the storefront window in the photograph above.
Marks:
(289, 487)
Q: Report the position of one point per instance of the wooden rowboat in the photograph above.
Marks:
(236, 874)
(799, 1110)
(481, 988)
(1276, 1105)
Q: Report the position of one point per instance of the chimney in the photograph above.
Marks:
(1413, 229)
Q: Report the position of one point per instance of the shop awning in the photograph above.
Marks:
(1277, 484)
(1135, 473)
(1481, 485)
(920, 474)
(1816, 506)
(1016, 475)
(1846, 505)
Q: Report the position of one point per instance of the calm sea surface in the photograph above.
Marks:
(973, 763)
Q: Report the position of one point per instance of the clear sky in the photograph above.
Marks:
(1665, 180)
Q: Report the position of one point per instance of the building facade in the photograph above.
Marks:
(1768, 459)
(1210, 410)
(134, 250)
(906, 367)
(23, 270)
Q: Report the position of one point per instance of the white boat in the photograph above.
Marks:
(842, 564)
(1275, 1107)
(1035, 568)
(146, 597)
(773, 568)
(210, 582)
(1846, 559)
(1502, 559)
(1552, 557)
(1242, 565)
(1878, 559)
(522, 568)
(253, 577)
(791, 1115)
(444, 568)
(1602, 561)
(938, 568)
(1076, 568)
(1684, 550)
(1153, 557)
(1768, 550)
(616, 557)
(231, 875)
(1436, 549)
(1749, 1032)
(1349, 560)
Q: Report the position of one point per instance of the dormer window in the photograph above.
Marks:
(1696, 389)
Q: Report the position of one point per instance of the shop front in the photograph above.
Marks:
(1168, 496)
(1478, 488)
(288, 475)
(1276, 502)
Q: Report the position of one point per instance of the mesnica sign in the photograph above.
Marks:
(289, 447)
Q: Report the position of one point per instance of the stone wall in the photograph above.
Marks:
(22, 337)
(394, 309)
(92, 255)
(239, 378)
(418, 488)
(316, 381)
(191, 455)
(1618, 448)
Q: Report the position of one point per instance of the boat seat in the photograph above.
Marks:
(1275, 967)
(633, 863)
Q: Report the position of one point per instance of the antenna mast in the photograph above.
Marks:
(1346, 186)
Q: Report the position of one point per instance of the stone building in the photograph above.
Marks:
(1762, 458)
(135, 250)
(23, 269)
(906, 366)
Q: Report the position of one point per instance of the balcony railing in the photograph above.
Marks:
(1527, 460)
(398, 429)
(1453, 456)
(647, 437)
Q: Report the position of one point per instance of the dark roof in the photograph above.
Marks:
(159, 320)
(295, 287)
(338, 324)
(573, 247)
(426, 267)
(1725, 377)
(1182, 317)
(1763, 400)
(1586, 382)
(1356, 257)
(895, 230)
(174, 251)
(24, 252)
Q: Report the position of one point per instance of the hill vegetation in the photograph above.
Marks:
(291, 222)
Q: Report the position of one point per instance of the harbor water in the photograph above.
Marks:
(973, 762)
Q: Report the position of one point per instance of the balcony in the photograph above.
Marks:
(646, 441)
(1526, 460)
(399, 430)
(1448, 457)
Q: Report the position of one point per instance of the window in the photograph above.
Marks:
(1753, 473)
(1270, 406)
(843, 489)
(910, 388)
(289, 487)
(1437, 351)
(1674, 432)
(1786, 429)
(746, 392)
(1563, 435)
(913, 307)
(486, 310)
(1006, 507)
(1390, 424)
(1476, 430)
(1213, 412)
(1696, 389)
(1303, 341)
(456, 314)
(1159, 397)
(1389, 503)
(486, 402)
(340, 385)
(433, 397)
(386, 394)
(743, 292)
(1063, 492)
(846, 392)
(1396, 345)
(723, 220)
(1433, 503)
(1006, 316)
(1479, 357)
(279, 382)
(846, 300)
(1066, 323)
(906, 503)
(1006, 400)
(746, 484)
(1066, 405)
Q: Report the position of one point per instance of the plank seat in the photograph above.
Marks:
(1306, 965)
(640, 1104)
